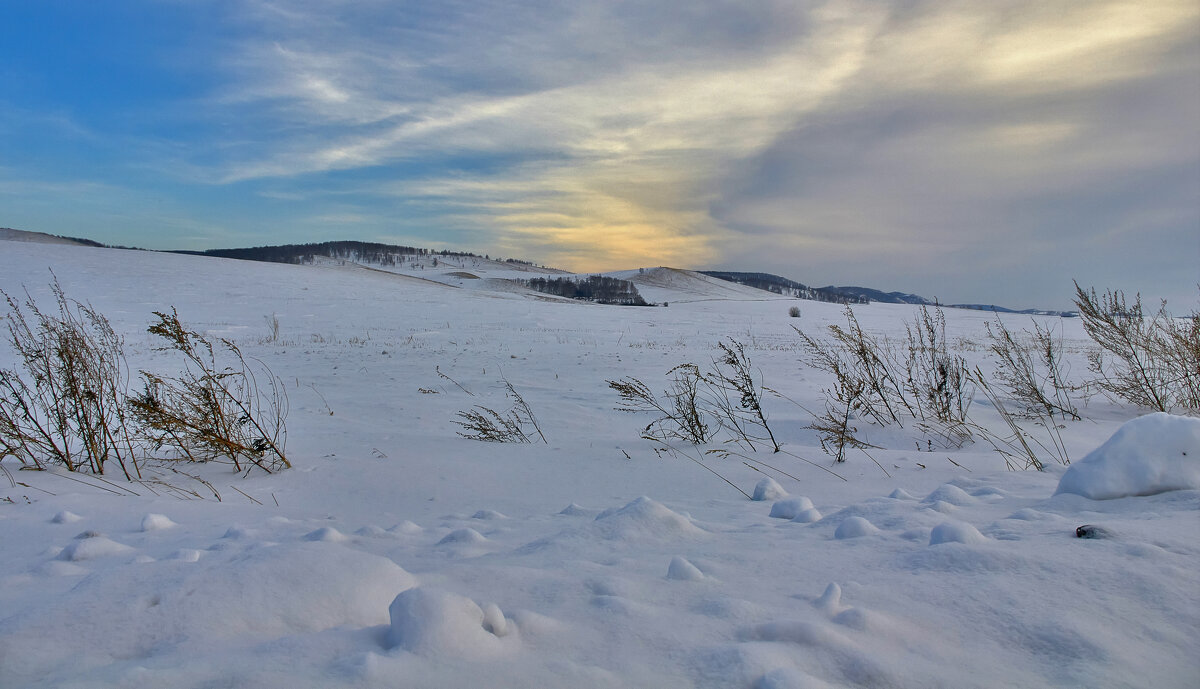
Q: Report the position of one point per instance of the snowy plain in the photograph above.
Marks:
(398, 554)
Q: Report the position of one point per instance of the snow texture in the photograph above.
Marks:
(397, 553)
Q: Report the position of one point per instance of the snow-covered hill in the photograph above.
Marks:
(397, 553)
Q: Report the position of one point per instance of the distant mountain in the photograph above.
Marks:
(784, 286)
(880, 296)
(1030, 312)
(902, 298)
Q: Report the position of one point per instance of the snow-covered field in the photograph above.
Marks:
(398, 554)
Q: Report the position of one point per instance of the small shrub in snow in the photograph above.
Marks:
(1148, 360)
(794, 312)
(517, 425)
(212, 411)
(679, 414)
(737, 396)
(936, 379)
(1030, 367)
(68, 406)
(729, 395)
(874, 382)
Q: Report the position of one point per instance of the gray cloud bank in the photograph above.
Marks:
(967, 150)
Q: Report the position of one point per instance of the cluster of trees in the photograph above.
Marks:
(361, 252)
(597, 288)
(786, 287)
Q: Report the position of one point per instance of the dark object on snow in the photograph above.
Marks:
(1092, 531)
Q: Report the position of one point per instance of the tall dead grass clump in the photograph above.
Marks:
(66, 406)
(515, 425)
(1147, 359)
(879, 381)
(212, 411)
(1031, 368)
(699, 404)
(678, 414)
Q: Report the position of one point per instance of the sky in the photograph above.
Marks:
(974, 152)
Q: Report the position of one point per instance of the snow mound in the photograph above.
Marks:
(284, 589)
(373, 531)
(66, 517)
(574, 510)
(237, 532)
(326, 534)
(91, 548)
(807, 516)
(789, 678)
(854, 527)
(901, 494)
(830, 601)
(439, 623)
(488, 515)
(406, 527)
(790, 508)
(955, 532)
(644, 518)
(247, 598)
(1148, 455)
(682, 570)
(951, 494)
(156, 522)
(464, 535)
(769, 489)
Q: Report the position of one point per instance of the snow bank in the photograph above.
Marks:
(1148, 455)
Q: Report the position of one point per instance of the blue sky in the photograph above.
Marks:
(972, 151)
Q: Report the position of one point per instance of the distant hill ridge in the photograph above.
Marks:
(784, 286)
(392, 254)
(365, 252)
